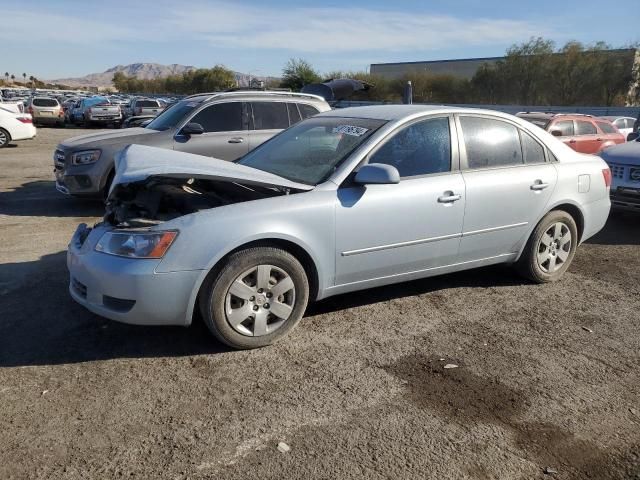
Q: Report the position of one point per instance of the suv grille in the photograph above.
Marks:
(58, 158)
(617, 171)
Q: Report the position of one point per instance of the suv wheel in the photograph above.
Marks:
(256, 298)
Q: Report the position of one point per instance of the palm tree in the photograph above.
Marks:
(31, 79)
(6, 76)
(24, 75)
(13, 78)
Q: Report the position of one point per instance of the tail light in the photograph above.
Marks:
(606, 173)
(61, 112)
(24, 119)
(30, 110)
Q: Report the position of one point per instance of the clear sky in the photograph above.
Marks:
(64, 38)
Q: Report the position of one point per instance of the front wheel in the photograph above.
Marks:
(256, 298)
(550, 248)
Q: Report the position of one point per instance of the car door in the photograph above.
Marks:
(587, 136)
(266, 119)
(508, 182)
(415, 225)
(225, 132)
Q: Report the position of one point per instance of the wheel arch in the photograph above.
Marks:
(298, 251)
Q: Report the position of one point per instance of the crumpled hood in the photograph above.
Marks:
(124, 136)
(627, 153)
(137, 163)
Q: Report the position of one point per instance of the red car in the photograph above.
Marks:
(583, 133)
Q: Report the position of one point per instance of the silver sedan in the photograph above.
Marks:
(347, 200)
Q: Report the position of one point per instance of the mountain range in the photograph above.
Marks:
(141, 71)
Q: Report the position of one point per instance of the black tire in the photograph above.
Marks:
(214, 292)
(530, 266)
(7, 137)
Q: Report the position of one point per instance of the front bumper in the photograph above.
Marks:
(76, 179)
(126, 290)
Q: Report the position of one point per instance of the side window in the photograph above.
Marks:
(270, 115)
(565, 127)
(419, 149)
(620, 123)
(221, 117)
(606, 128)
(585, 128)
(533, 152)
(294, 114)
(490, 143)
(307, 110)
(629, 123)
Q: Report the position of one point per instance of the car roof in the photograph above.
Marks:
(398, 112)
(256, 94)
(613, 118)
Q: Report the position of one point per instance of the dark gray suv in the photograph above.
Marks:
(224, 125)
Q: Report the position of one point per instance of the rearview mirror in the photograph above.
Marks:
(555, 132)
(192, 129)
(633, 136)
(377, 173)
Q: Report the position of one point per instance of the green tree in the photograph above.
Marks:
(297, 73)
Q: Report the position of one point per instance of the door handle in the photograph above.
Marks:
(449, 197)
(236, 140)
(539, 185)
(572, 141)
(599, 139)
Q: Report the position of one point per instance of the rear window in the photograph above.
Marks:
(307, 110)
(270, 115)
(147, 103)
(606, 127)
(565, 127)
(585, 128)
(45, 102)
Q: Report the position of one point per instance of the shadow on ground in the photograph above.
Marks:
(41, 325)
(622, 228)
(41, 199)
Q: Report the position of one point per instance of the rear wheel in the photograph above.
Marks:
(5, 138)
(550, 248)
(256, 298)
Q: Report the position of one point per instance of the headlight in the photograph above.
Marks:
(136, 245)
(85, 157)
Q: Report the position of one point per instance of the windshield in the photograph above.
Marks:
(173, 115)
(147, 103)
(310, 151)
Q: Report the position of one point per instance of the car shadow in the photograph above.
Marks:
(622, 228)
(485, 277)
(41, 325)
(41, 199)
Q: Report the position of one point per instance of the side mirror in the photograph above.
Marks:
(192, 129)
(555, 132)
(377, 173)
(633, 136)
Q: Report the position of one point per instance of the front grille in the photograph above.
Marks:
(58, 158)
(80, 288)
(617, 171)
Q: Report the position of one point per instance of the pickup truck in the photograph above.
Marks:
(143, 106)
(96, 110)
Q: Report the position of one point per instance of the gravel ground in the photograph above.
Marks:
(548, 375)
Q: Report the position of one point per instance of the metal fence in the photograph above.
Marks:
(513, 109)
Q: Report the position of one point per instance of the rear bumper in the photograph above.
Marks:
(626, 198)
(48, 120)
(127, 290)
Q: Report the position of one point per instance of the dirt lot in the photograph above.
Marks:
(357, 391)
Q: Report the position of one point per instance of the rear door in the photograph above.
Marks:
(508, 182)
(265, 120)
(225, 132)
(589, 141)
(567, 132)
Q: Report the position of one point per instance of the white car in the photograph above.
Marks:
(15, 126)
(624, 124)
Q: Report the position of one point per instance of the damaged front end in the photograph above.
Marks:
(154, 185)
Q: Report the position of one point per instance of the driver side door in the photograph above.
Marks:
(386, 231)
(225, 132)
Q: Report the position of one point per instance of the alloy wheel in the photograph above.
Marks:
(554, 247)
(260, 300)
(3, 138)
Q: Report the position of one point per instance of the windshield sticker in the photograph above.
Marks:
(350, 130)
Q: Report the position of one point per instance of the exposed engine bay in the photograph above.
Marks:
(158, 199)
